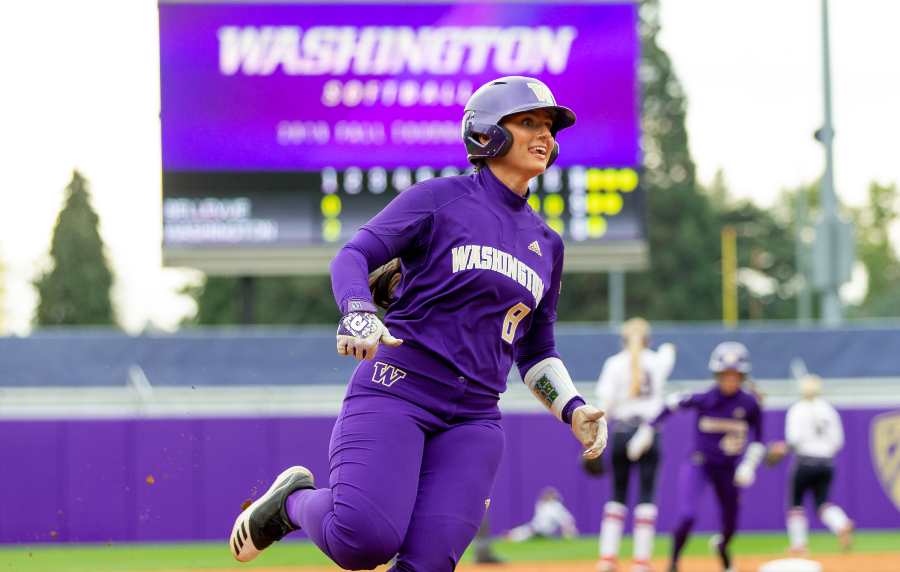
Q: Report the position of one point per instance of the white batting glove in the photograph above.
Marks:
(744, 475)
(640, 443)
(589, 427)
(359, 334)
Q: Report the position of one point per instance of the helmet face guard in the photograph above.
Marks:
(500, 98)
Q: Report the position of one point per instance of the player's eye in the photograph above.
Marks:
(527, 122)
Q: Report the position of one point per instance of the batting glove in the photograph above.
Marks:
(359, 334)
(745, 474)
(590, 428)
(640, 443)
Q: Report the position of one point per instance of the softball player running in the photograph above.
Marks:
(813, 429)
(727, 417)
(630, 391)
(417, 445)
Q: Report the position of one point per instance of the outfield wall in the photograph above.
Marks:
(87, 416)
(225, 356)
(87, 480)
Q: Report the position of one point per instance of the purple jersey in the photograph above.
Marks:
(481, 279)
(725, 424)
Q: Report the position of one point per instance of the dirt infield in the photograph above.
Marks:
(852, 562)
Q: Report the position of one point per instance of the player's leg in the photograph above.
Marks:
(728, 496)
(483, 552)
(692, 480)
(520, 533)
(831, 514)
(459, 466)
(376, 454)
(796, 520)
(645, 512)
(266, 521)
(615, 511)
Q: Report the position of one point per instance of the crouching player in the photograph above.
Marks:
(550, 516)
(727, 417)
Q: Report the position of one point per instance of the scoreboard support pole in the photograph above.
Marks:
(248, 306)
(616, 296)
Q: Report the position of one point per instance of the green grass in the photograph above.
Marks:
(122, 557)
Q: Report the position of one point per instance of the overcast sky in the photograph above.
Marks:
(81, 90)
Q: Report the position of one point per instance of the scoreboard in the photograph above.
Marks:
(286, 127)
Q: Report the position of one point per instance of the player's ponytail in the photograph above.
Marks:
(755, 389)
(635, 334)
(383, 284)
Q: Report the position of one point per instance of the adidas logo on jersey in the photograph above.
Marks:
(534, 247)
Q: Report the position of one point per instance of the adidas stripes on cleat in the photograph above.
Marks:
(266, 521)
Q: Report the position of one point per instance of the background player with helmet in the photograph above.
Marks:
(727, 419)
(630, 391)
(417, 445)
(812, 429)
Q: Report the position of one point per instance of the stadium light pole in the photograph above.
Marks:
(826, 256)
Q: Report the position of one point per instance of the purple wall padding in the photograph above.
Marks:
(87, 480)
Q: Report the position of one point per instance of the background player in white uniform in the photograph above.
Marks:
(814, 431)
(550, 516)
(630, 390)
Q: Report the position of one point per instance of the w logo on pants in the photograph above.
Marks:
(386, 374)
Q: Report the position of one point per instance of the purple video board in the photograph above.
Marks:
(304, 87)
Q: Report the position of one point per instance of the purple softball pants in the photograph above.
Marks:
(693, 479)
(406, 481)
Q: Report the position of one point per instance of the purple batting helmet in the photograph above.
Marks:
(495, 100)
(730, 356)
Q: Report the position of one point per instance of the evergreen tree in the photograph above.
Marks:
(76, 291)
(766, 263)
(683, 282)
(274, 299)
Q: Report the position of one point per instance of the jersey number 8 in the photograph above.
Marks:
(732, 444)
(513, 317)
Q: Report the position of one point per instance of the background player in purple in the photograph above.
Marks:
(727, 419)
(472, 289)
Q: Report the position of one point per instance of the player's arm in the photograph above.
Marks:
(606, 388)
(837, 429)
(546, 377)
(665, 359)
(642, 440)
(793, 427)
(745, 473)
(402, 226)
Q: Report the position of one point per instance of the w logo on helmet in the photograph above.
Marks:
(542, 93)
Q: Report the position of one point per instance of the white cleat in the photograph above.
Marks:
(606, 565)
(714, 542)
